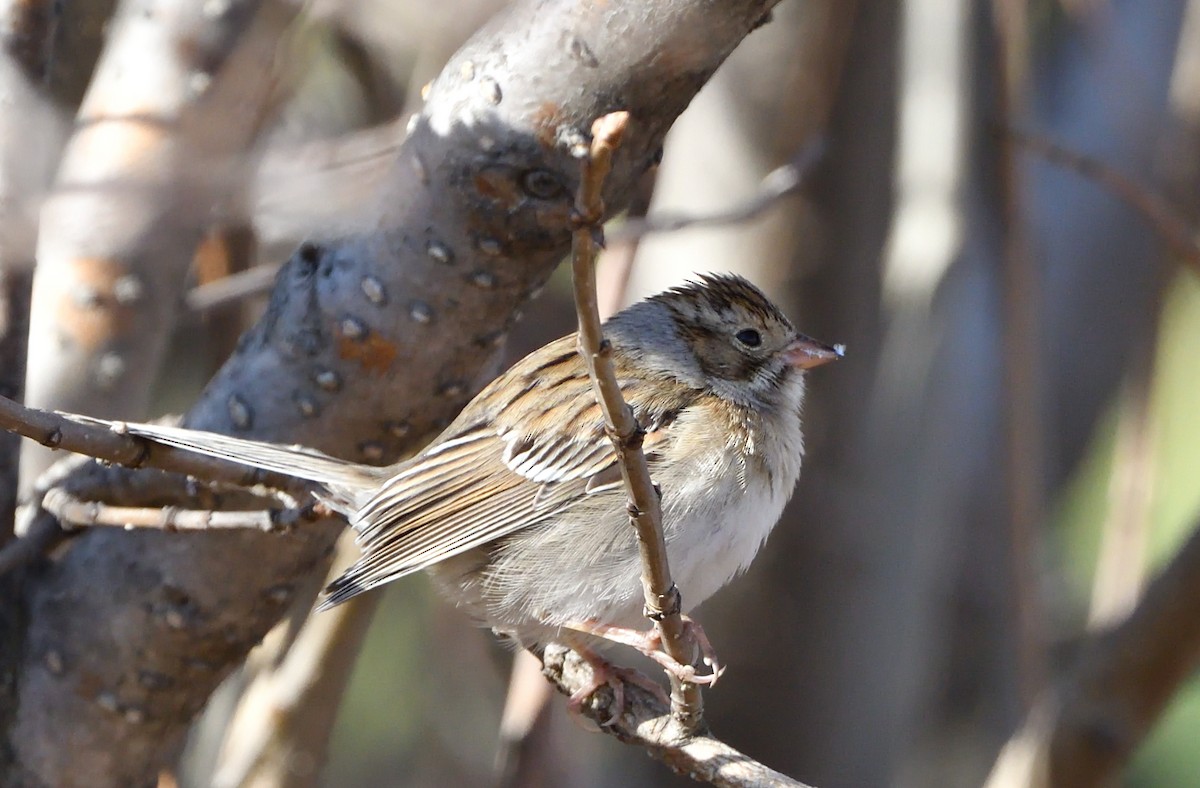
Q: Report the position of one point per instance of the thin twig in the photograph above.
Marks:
(662, 598)
(644, 721)
(780, 182)
(107, 442)
(1022, 385)
(233, 289)
(1157, 210)
(69, 509)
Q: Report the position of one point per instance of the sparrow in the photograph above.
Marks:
(518, 509)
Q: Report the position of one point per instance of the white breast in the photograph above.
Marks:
(719, 506)
(720, 509)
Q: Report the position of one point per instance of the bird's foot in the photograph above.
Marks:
(616, 677)
(649, 642)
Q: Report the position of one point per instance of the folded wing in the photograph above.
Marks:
(530, 447)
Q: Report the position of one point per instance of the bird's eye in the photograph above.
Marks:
(749, 337)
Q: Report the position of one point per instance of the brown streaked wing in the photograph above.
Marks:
(555, 432)
(503, 465)
(445, 503)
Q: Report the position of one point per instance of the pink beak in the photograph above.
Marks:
(806, 353)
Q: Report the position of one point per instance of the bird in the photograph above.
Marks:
(518, 509)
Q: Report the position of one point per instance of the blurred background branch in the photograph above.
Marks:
(1121, 682)
(1024, 431)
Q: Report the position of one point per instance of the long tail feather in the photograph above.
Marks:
(346, 484)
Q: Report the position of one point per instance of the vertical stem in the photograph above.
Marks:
(661, 597)
(1020, 288)
(524, 747)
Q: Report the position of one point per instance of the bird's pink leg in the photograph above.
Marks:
(604, 672)
(649, 642)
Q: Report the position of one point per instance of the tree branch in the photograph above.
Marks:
(644, 721)
(106, 441)
(1162, 216)
(1083, 732)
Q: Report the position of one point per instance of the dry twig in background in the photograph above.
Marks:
(1021, 338)
(780, 182)
(1176, 232)
(279, 733)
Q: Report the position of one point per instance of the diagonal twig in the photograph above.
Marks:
(780, 182)
(1176, 232)
(1118, 687)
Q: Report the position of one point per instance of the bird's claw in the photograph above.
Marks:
(688, 674)
(649, 642)
(604, 672)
